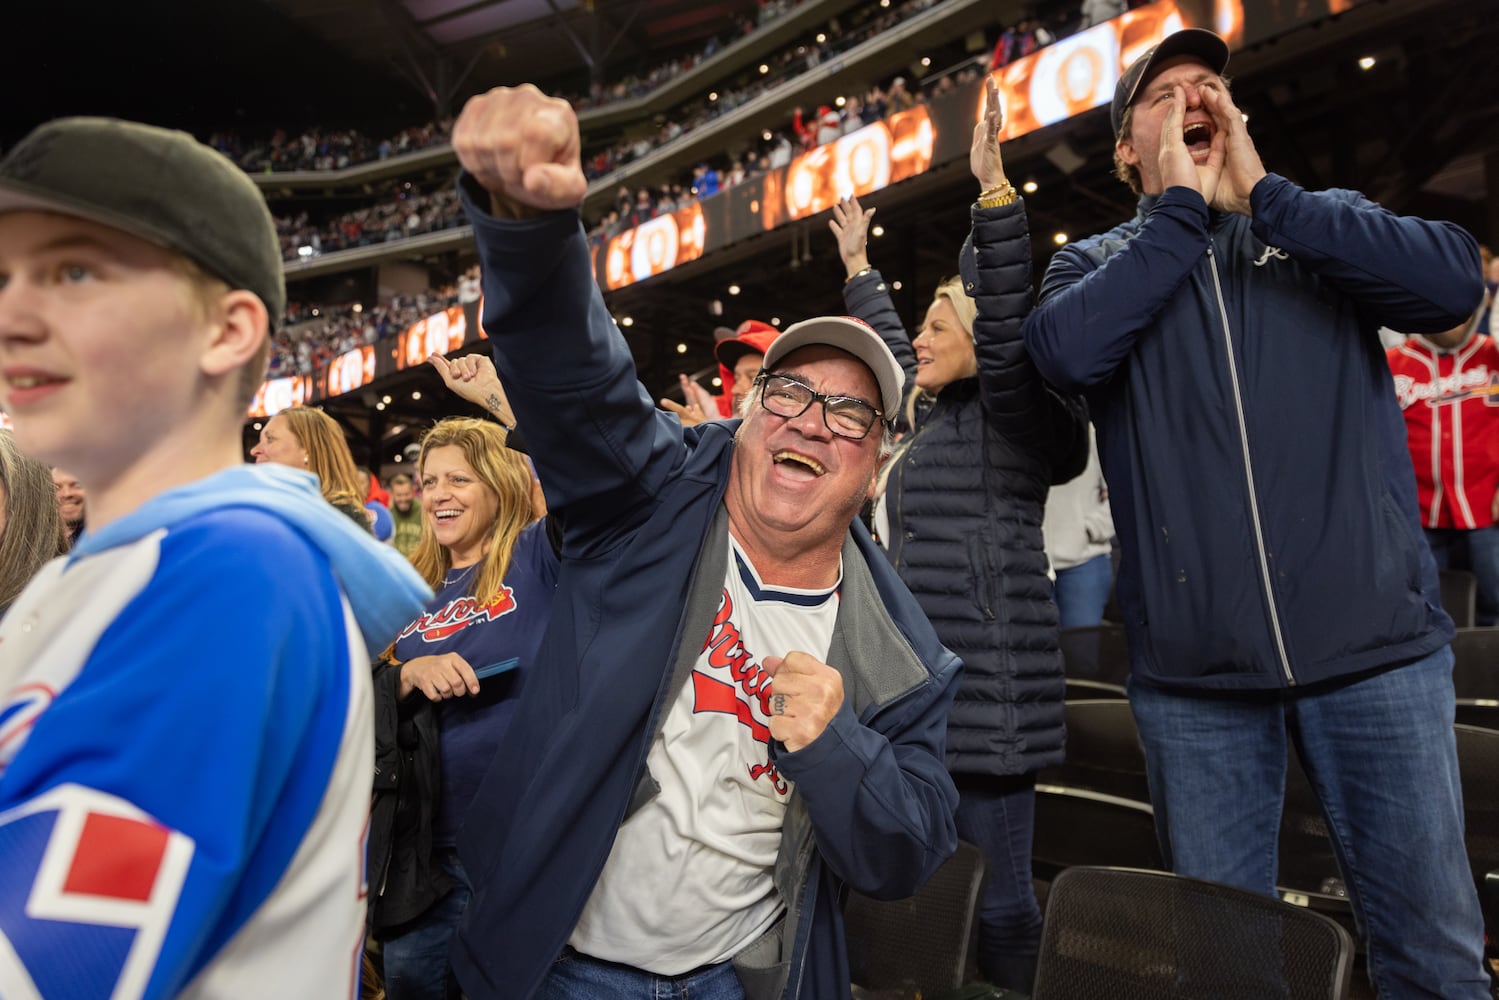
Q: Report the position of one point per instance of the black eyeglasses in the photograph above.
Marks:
(846, 416)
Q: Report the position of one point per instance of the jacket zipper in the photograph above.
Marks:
(1254, 504)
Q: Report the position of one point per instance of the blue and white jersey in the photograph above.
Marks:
(185, 753)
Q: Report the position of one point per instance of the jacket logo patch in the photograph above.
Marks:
(1271, 253)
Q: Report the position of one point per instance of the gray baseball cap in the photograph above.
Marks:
(163, 186)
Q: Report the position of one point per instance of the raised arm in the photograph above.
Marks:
(601, 447)
(866, 295)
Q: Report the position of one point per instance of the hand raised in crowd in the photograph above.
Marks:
(699, 405)
(439, 677)
(1178, 169)
(850, 224)
(983, 154)
(472, 376)
(523, 148)
(1242, 168)
(805, 694)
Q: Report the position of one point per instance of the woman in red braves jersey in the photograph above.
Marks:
(446, 689)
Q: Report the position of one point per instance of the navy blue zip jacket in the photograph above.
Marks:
(638, 496)
(1248, 429)
(966, 496)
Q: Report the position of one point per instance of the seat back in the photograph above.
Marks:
(1095, 653)
(1075, 826)
(1459, 596)
(1475, 664)
(1103, 751)
(1128, 934)
(917, 946)
(1478, 765)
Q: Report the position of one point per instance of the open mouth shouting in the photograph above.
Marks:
(1198, 137)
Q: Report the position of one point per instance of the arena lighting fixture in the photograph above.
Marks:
(379, 406)
(314, 311)
(775, 321)
(256, 425)
(385, 399)
(884, 3)
(1029, 187)
(1366, 63)
(712, 95)
(398, 457)
(841, 101)
(1059, 238)
(359, 307)
(717, 382)
(681, 348)
(734, 289)
(895, 285)
(877, 231)
(305, 251)
(764, 69)
(926, 61)
(765, 135)
(627, 321)
(821, 38)
(416, 394)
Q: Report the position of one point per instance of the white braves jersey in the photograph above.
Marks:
(185, 754)
(689, 879)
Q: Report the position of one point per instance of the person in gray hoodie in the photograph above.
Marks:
(186, 730)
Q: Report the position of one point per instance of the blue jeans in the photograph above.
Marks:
(1476, 551)
(578, 977)
(998, 816)
(416, 961)
(1082, 592)
(1382, 757)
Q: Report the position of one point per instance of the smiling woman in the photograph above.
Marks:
(452, 678)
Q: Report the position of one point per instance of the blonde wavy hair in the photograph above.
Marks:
(504, 473)
(33, 530)
(328, 455)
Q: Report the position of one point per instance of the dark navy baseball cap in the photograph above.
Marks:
(1198, 42)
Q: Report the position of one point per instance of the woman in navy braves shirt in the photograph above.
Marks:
(446, 689)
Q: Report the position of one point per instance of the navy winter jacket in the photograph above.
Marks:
(1248, 427)
(637, 495)
(965, 499)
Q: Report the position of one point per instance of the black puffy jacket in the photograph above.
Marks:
(965, 499)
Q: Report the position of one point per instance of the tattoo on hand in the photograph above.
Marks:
(493, 403)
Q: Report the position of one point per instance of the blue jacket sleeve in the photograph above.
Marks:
(867, 297)
(601, 448)
(1405, 273)
(882, 808)
(1088, 317)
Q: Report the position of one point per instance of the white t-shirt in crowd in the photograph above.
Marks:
(689, 880)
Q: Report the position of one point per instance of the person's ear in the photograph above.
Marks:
(1126, 150)
(240, 330)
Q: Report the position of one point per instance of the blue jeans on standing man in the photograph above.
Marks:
(575, 976)
(416, 960)
(1082, 592)
(1381, 754)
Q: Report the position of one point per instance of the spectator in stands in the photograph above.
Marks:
(722, 544)
(1445, 384)
(898, 98)
(1079, 533)
(1099, 11)
(381, 523)
(704, 181)
(31, 528)
(405, 513)
(1291, 589)
(306, 438)
(451, 682)
(193, 756)
(965, 493)
(739, 353)
(71, 501)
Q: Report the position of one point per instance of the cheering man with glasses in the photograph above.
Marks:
(738, 712)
